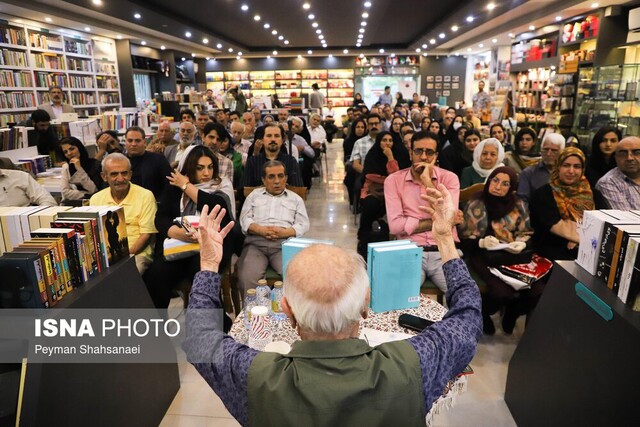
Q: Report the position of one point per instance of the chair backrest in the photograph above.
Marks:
(300, 191)
(467, 193)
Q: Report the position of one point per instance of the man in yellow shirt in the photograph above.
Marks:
(138, 203)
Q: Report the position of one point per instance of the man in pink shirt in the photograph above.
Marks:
(402, 191)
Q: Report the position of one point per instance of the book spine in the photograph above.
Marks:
(71, 246)
(96, 246)
(634, 288)
(82, 245)
(37, 267)
(621, 239)
(629, 262)
(50, 282)
(57, 269)
(606, 251)
(64, 264)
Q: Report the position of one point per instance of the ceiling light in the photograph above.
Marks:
(469, 49)
(330, 56)
(205, 40)
(594, 5)
(314, 25)
(143, 43)
(274, 32)
(244, 7)
(491, 6)
(424, 54)
(480, 45)
(286, 42)
(558, 18)
(311, 16)
(183, 58)
(358, 44)
(281, 37)
(306, 6)
(361, 30)
(268, 56)
(275, 52)
(137, 15)
(418, 50)
(299, 56)
(432, 41)
(97, 2)
(310, 52)
(365, 15)
(318, 31)
(230, 49)
(532, 27)
(511, 35)
(119, 37)
(381, 51)
(256, 18)
(362, 55)
(345, 51)
(187, 34)
(193, 55)
(266, 25)
(494, 40)
(454, 28)
(48, 19)
(363, 24)
(239, 53)
(393, 55)
(441, 35)
(424, 46)
(219, 46)
(207, 58)
(469, 18)
(324, 45)
(237, 58)
(87, 29)
(162, 47)
(367, 4)
(321, 37)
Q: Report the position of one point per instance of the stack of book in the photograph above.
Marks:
(48, 251)
(394, 273)
(608, 249)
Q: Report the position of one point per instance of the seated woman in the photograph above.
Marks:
(384, 158)
(80, 174)
(602, 159)
(452, 132)
(394, 128)
(197, 184)
(487, 156)
(524, 152)
(498, 212)
(498, 132)
(238, 159)
(268, 119)
(459, 154)
(557, 207)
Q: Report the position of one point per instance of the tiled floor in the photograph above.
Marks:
(196, 405)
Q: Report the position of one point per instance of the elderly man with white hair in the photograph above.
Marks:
(330, 376)
(536, 176)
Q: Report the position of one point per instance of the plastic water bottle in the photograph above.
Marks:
(260, 331)
(250, 301)
(263, 293)
(276, 301)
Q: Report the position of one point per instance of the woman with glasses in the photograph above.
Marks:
(524, 152)
(384, 158)
(602, 159)
(556, 208)
(494, 215)
(487, 156)
(396, 124)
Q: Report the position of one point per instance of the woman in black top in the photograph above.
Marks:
(459, 154)
(358, 130)
(357, 99)
(603, 147)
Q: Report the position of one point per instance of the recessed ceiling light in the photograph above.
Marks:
(256, 18)
(494, 40)
(219, 46)
(367, 4)
(432, 41)
(511, 35)
(274, 32)
(324, 45)
(381, 51)
(237, 58)
(362, 55)
(97, 2)
(418, 50)
(143, 43)
(424, 46)
(205, 40)
(469, 18)
(469, 49)
(311, 16)
(345, 51)
(309, 51)
(268, 56)
(183, 58)
(48, 19)
(244, 7)
(558, 18)
(187, 34)
(424, 54)
(266, 25)
(321, 37)
(280, 37)
(240, 53)
(480, 45)
(358, 44)
(594, 5)
(491, 6)
(314, 25)
(87, 29)
(318, 31)
(275, 52)
(330, 56)
(306, 6)
(454, 28)
(163, 47)
(230, 49)
(441, 35)
(137, 15)
(532, 27)
(363, 24)
(365, 15)
(361, 30)
(193, 55)
(286, 42)
(207, 58)
(119, 37)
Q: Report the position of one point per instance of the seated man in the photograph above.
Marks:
(149, 170)
(269, 215)
(330, 377)
(469, 116)
(272, 143)
(402, 192)
(174, 153)
(18, 188)
(249, 121)
(108, 142)
(214, 134)
(139, 207)
(163, 139)
(240, 144)
(620, 187)
(534, 177)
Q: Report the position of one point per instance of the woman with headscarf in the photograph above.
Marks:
(394, 128)
(357, 99)
(268, 119)
(453, 132)
(357, 130)
(497, 214)
(557, 207)
(524, 152)
(384, 158)
(487, 156)
(602, 158)
(80, 176)
(459, 154)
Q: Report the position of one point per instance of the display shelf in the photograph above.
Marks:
(14, 67)
(12, 46)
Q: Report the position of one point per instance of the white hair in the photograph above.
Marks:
(555, 139)
(335, 316)
(477, 152)
(115, 157)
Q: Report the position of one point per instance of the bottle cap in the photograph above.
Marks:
(259, 310)
(251, 292)
(277, 284)
(262, 282)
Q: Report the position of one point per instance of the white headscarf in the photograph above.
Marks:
(478, 151)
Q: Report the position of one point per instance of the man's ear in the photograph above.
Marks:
(287, 310)
(367, 300)
(104, 176)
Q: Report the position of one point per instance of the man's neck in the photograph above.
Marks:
(120, 196)
(635, 178)
(271, 155)
(353, 332)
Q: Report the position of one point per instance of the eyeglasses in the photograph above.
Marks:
(419, 151)
(625, 153)
(503, 184)
(374, 123)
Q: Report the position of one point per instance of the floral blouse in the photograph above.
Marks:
(512, 227)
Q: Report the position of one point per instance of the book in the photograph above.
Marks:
(608, 261)
(631, 262)
(608, 243)
(23, 285)
(293, 245)
(84, 227)
(372, 246)
(44, 217)
(48, 270)
(60, 258)
(70, 240)
(395, 277)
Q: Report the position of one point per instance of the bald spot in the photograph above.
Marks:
(237, 125)
(628, 141)
(321, 273)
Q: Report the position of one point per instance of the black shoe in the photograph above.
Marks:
(487, 325)
(509, 319)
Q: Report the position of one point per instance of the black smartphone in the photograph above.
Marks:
(414, 323)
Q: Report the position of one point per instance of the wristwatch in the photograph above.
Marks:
(184, 187)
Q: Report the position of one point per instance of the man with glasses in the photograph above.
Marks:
(149, 170)
(620, 187)
(364, 144)
(402, 191)
(536, 176)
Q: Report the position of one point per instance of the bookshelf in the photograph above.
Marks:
(33, 59)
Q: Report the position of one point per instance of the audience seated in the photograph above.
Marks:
(402, 194)
(46, 138)
(174, 153)
(357, 130)
(163, 139)
(535, 176)
(620, 187)
(524, 151)
(487, 156)
(20, 189)
(269, 216)
(456, 156)
(602, 158)
(138, 204)
(453, 132)
(237, 158)
(498, 132)
(364, 144)
(495, 215)
(240, 144)
(213, 134)
(108, 142)
(80, 176)
(149, 170)
(556, 208)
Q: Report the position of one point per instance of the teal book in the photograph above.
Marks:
(293, 245)
(372, 246)
(395, 277)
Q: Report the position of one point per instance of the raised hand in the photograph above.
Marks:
(210, 237)
(443, 212)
